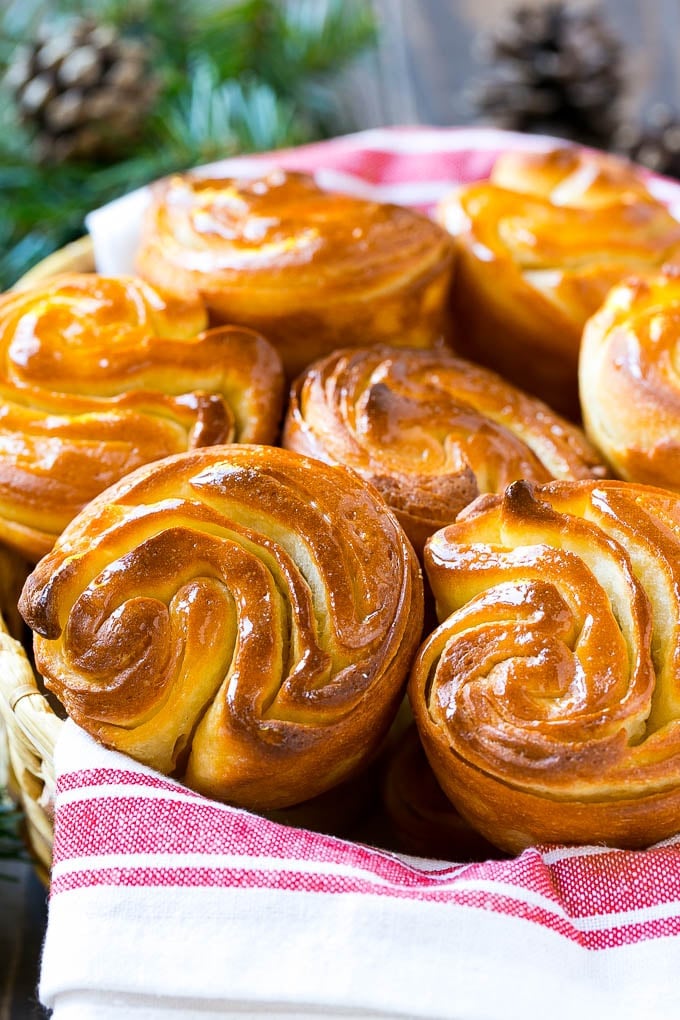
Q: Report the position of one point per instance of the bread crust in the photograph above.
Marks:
(538, 246)
(241, 617)
(430, 430)
(103, 374)
(629, 380)
(548, 699)
(312, 270)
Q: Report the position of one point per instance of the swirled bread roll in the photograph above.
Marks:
(421, 819)
(629, 379)
(429, 430)
(548, 699)
(241, 617)
(539, 245)
(312, 269)
(102, 374)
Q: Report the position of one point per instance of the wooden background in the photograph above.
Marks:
(420, 73)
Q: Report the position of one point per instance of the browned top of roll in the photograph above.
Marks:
(562, 226)
(102, 374)
(569, 175)
(553, 683)
(429, 430)
(282, 239)
(242, 617)
(629, 379)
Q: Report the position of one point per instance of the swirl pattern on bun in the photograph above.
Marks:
(548, 699)
(100, 375)
(311, 269)
(429, 430)
(629, 379)
(241, 617)
(539, 245)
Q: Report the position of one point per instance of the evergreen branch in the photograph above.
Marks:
(214, 119)
(321, 35)
(21, 17)
(197, 124)
(266, 121)
(241, 28)
(250, 75)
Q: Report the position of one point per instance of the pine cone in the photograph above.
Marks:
(553, 69)
(84, 89)
(654, 142)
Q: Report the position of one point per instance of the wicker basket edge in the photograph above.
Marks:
(76, 257)
(28, 726)
(31, 730)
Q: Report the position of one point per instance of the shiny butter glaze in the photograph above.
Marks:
(540, 244)
(548, 699)
(100, 375)
(312, 269)
(429, 430)
(572, 177)
(629, 377)
(241, 617)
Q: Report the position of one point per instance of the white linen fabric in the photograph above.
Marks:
(166, 904)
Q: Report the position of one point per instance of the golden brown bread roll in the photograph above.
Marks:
(538, 247)
(429, 430)
(421, 818)
(313, 270)
(241, 617)
(548, 699)
(629, 383)
(102, 374)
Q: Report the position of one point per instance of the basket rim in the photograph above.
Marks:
(30, 728)
(76, 257)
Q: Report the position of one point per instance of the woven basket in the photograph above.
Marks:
(28, 725)
(77, 257)
(30, 732)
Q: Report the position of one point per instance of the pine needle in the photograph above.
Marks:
(235, 77)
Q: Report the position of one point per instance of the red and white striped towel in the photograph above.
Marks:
(165, 904)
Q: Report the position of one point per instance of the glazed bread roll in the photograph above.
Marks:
(548, 699)
(240, 617)
(101, 375)
(313, 270)
(421, 818)
(629, 381)
(429, 430)
(538, 247)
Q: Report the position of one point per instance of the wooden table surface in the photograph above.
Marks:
(419, 74)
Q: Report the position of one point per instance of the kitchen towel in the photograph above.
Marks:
(166, 904)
